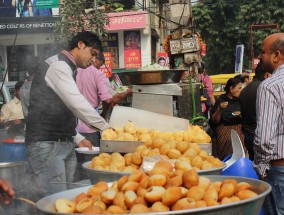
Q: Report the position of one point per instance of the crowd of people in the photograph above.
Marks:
(64, 100)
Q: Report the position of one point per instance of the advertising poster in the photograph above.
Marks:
(110, 44)
(163, 59)
(132, 49)
(107, 67)
(29, 8)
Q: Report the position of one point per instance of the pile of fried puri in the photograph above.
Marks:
(159, 190)
(184, 155)
(130, 132)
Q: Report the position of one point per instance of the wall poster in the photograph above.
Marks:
(132, 49)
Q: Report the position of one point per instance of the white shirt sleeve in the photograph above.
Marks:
(78, 138)
(59, 78)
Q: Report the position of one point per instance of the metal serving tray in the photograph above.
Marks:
(250, 206)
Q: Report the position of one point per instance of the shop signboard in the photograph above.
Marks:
(126, 20)
(31, 25)
(190, 44)
(132, 49)
(107, 67)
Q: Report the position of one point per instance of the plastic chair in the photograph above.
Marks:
(238, 150)
(237, 163)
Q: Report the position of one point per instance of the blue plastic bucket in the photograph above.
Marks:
(11, 151)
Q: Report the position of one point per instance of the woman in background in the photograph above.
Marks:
(226, 116)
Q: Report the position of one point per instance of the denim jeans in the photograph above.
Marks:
(274, 202)
(52, 164)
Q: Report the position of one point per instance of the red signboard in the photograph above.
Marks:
(107, 67)
(132, 49)
(132, 59)
(126, 20)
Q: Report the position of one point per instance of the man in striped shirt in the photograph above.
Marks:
(269, 134)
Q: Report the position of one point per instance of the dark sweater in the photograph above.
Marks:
(248, 105)
(48, 118)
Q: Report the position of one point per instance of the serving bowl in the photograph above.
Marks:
(250, 206)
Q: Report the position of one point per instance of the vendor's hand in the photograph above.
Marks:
(6, 191)
(85, 143)
(128, 91)
(223, 105)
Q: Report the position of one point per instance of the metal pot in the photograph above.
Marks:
(14, 173)
(250, 206)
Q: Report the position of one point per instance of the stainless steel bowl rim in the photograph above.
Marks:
(85, 166)
(11, 164)
(211, 208)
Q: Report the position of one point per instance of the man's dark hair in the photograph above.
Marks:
(90, 39)
(19, 84)
(277, 45)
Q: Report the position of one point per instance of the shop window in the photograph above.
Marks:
(19, 64)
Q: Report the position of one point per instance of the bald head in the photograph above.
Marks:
(272, 52)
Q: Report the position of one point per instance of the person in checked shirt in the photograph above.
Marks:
(269, 134)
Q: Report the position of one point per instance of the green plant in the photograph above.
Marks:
(75, 18)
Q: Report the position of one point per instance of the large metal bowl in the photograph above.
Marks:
(250, 206)
(110, 176)
(151, 77)
(99, 175)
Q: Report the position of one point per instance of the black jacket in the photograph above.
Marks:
(248, 105)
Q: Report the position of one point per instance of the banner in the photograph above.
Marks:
(110, 44)
(107, 67)
(132, 49)
(239, 58)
